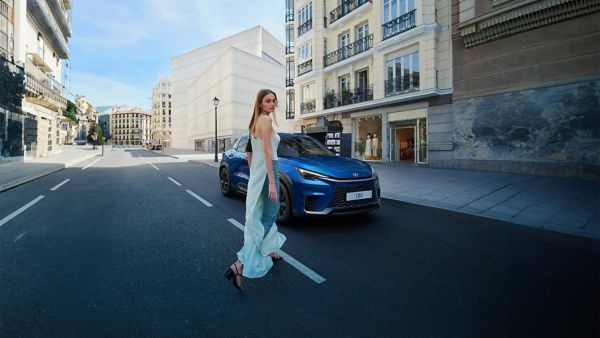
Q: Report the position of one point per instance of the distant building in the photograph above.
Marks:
(130, 127)
(104, 122)
(233, 69)
(161, 112)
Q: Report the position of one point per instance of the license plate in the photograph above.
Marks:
(359, 195)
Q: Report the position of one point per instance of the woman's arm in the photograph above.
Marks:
(266, 132)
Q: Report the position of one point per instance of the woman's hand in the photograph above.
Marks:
(272, 192)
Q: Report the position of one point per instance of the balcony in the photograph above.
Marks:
(399, 25)
(4, 10)
(346, 97)
(289, 82)
(305, 27)
(344, 9)
(352, 49)
(40, 11)
(305, 67)
(402, 84)
(289, 17)
(308, 106)
(62, 17)
(44, 93)
(289, 50)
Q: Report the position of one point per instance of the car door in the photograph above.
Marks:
(240, 173)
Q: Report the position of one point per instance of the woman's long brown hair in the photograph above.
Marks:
(255, 114)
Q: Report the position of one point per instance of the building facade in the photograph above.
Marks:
(373, 78)
(87, 115)
(233, 69)
(526, 87)
(12, 77)
(161, 112)
(42, 29)
(130, 127)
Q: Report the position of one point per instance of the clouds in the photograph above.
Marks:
(129, 43)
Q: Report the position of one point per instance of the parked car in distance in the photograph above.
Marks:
(313, 181)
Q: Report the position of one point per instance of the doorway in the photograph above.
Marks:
(403, 144)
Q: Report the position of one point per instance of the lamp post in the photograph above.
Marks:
(216, 103)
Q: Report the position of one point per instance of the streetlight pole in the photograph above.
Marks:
(216, 103)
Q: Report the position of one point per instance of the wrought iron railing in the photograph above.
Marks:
(352, 49)
(345, 8)
(308, 106)
(290, 114)
(305, 27)
(289, 82)
(399, 25)
(289, 49)
(402, 84)
(4, 10)
(305, 67)
(289, 17)
(346, 97)
(43, 89)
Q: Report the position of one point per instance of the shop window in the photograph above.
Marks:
(367, 138)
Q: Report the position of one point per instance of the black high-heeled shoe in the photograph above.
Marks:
(232, 276)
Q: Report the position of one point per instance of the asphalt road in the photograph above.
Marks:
(122, 250)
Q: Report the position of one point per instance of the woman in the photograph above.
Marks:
(261, 238)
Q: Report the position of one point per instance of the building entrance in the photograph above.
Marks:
(408, 141)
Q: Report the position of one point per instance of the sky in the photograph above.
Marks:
(119, 48)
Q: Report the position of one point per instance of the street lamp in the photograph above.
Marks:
(216, 103)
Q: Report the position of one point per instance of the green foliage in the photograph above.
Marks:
(71, 112)
(100, 138)
(91, 132)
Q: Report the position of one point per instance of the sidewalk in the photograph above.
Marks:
(558, 204)
(15, 173)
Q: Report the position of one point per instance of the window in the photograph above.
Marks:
(241, 145)
(305, 52)
(402, 73)
(395, 8)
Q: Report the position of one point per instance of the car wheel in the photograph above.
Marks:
(226, 188)
(285, 204)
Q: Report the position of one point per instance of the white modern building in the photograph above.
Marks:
(233, 69)
(161, 112)
(42, 29)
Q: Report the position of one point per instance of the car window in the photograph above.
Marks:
(291, 146)
(241, 145)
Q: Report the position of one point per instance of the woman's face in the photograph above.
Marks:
(268, 103)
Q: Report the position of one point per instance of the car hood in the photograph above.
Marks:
(332, 166)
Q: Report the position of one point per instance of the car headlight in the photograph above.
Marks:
(309, 175)
(373, 172)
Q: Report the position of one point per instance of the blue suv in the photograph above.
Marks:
(313, 180)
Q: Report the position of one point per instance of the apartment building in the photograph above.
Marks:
(161, 112)
(373, 78)
(130, 127)
(526, 79)
(233, 70)
(42, 29)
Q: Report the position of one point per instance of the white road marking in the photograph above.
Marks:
(152, 165)
(60, 184)
(20, 236)
(291, 260)
(200, 199)
(23, 208)
(172, 180)
(90, 164)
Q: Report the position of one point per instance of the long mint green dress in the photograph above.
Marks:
(257, 247)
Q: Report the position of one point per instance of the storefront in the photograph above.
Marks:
(408, 136)
(367, 138)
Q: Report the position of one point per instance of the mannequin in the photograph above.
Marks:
(368, 147)
(375, 142)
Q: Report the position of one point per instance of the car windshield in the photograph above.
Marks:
(292, 146)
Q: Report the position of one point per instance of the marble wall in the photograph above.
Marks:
(557, 125)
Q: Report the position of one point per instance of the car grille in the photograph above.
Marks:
(339, 200)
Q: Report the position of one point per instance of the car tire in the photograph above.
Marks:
(285, 204)
(225, 182)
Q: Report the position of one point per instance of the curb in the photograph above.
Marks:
(29, 178)
(572, 232)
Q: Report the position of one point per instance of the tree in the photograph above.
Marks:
(91, 132)
(100, 139)
(71, 112)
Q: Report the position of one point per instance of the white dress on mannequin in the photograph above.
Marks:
(375, 147)
(368, 147)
